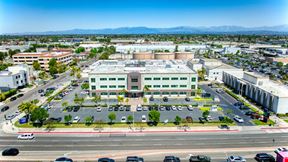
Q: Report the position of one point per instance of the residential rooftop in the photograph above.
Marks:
(145, 66)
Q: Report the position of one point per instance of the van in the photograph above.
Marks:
(26, 136)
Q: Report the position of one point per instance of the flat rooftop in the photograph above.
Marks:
(222, 66)
(145, 66)
(268, 85)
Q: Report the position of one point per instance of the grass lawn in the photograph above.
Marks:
(286, 120)
(258, 122)
(119, 125)
(205, 109)
(202, 99)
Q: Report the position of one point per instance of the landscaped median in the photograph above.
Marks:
(259, 122)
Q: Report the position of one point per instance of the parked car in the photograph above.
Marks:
(264, 157)
(238, 119)
(76, 119)
(187, 99)
(105, 160)
(249, 113)
(224, 126)
(236, 159)
(151, 99)
(127, 108)
(26, 136)
(199, 158)
(10, 152)
(54, 119)
(179, 108)
(190, 108)
(116, 108)
(171, 159)
(145, 108)
(134, 159)
(76, 108)
(165, 99)
(123, 119)
(13, 98)
(63, 159)
(40, 91)
(98, 109)
(144, 119)
(139, 108)
(10, 117)
(110, 108)
(174, 108)
(20, 95)
(121, 108)
(5, 108)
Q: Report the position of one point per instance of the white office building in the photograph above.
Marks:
(15, 77)
(260, 89)
(134, 78)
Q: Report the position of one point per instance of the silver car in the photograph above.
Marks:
(236, 159)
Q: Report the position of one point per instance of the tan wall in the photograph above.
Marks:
(184, 55)
(143, 56)
(164, 56)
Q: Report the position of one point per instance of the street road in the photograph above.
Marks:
(145, 145)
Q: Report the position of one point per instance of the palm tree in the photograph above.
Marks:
(27, 107)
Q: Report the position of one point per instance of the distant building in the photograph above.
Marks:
(284, 60)
(260, 89)
(15, 77)
(230, 50)
(215, 68)
(159, 78)
(43, 58)
(163, 56)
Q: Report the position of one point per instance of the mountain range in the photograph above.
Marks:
(280, 29)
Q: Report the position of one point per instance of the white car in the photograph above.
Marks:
(190, 108)
(236, 159)
(123, 119)
(98, 109)
(179, 108)
(174, 108)
(26, 136)
(143, 118)
(139, 108)
(238, 119)
(280, 149)
(145, 108)
(76, 119)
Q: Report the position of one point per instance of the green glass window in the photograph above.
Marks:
(182, 92)
(156, 93)
(193, 86)
(134, 80)
(174, 78)
(134, 87)
(156, 78)
(112, 93)
(193, 79)
(102, 79)
(183, 86)
(121, 86)
(165, 78)
(148, 79)
(165, 86)
(156, 86)
(112, 86)
(103, 86)
(193, 93)
(93, 80)
(121, 78)
(174, 86)
(165, 93)
(93, 87)
(183, 78)
(112, 78)
(104, 93)
(174, 93)
(149, 86)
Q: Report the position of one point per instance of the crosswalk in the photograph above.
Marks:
(284, 130)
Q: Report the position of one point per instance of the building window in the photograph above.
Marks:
(134, 80)
(193, 86)
(103, 86)
(93, 87)
(149, 86)
(165, 93)
(183, 78)
(148, 79)
(193, 79)
(93, 94)
(156, 86)
(112, 93)
(174, 86)
(174, 93)
(121, 78)
(156, 93)
(183, 86)
(134, 87)
(104, 93)
(148, 93)
(165, 86)
(121, 86)
(182, 93)
(112, 78)
(193, 93)
(174, 78)
(102, 79)
(156, 78)
(112, 86)
(165, 78)
(93, 80)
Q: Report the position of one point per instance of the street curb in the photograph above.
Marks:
(119, 132)
(276, 128)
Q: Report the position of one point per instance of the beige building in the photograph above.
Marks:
(43, 58)
(163, 56)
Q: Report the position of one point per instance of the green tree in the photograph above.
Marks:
(27, 107)
(80, 49)
(154, 116)
(36, 65)
(67, 119)
(53, 66)
(205, 114)
(130, 118)
(85, 86)
(39, 114)
(111, 117)
(279, 64)
(43, 75)
(89, 120)
(120, 99)
(78, 75)
(177, 120)
(96, 99)
(65, 104)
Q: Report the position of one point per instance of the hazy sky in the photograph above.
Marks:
(47, 15)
